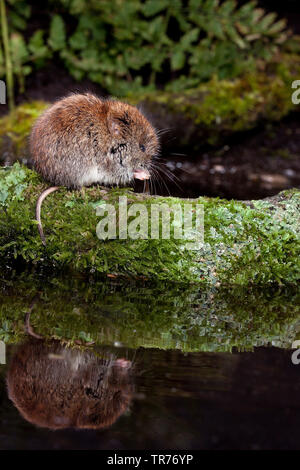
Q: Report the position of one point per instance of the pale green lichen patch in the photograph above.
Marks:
(244, 243)
(257, 244)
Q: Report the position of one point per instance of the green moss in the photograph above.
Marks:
(163, 315)
(15, 127)
(254, 243)
(222, 107)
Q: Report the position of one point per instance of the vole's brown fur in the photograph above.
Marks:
(57, 387)
(83, 139)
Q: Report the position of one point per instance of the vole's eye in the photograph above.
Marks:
(142, 147)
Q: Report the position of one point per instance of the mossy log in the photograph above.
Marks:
(245, 243)
(162, 315)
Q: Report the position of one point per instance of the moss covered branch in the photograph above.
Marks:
(244, 242)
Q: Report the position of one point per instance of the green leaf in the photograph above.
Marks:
(257, 15)
(38, 47)
(17, 21)
(267, 21)
(78, 40)
(189, 37)
(57, 37)
(152, 7)
(277, 27)
(226, 8)
(18, 49)
(177, 59)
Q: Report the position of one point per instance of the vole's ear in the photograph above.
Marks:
(117, 122)
(114, 125)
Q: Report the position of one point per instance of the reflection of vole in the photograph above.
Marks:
(57, 388)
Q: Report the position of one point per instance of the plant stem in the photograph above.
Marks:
(8, 63)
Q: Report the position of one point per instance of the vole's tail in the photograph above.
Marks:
(38, 210)
(28, 326)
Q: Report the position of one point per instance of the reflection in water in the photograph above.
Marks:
(239, 400)
(56, 387)
(189, 392)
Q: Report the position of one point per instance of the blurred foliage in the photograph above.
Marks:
(128, 45)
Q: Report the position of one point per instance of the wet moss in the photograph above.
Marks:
(244, 243)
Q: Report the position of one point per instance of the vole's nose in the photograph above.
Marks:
(141, 174)
(123, 363)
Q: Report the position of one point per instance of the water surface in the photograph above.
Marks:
(134, 366)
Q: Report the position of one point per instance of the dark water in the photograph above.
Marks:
(186, 401)
(136, 366)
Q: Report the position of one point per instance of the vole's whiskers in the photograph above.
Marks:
(159, 178)
(165, 169)
(160, 168)
(169, 139)
(153, 180)
(146, 187)
(163, 131)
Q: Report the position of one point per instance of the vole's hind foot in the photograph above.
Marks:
(38, 210)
